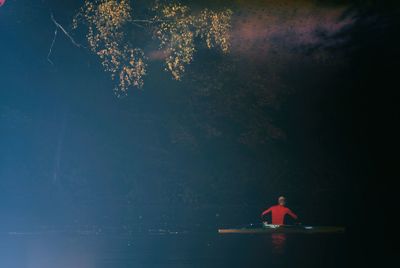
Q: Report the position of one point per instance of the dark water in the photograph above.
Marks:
(162, 249)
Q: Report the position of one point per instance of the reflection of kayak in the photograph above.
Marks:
(286, 229)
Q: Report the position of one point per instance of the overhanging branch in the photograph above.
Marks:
(59, 26)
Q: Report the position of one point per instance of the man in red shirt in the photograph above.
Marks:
(278, 212)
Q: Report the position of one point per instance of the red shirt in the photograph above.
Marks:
(278, 214)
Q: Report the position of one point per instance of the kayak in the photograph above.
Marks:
(285, 229)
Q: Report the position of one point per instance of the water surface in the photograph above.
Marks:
(170, 249)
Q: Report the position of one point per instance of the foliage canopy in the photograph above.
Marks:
(174, 25)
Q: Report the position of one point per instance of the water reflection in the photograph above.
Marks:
(67, 253)
(278, 243)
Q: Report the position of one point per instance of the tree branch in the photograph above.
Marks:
(64, 31)
(51, 47)
(59, 26)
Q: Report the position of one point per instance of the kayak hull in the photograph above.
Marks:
(285, 230)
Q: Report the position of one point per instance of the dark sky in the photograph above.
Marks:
(302, 106)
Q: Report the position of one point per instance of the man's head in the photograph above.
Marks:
(282, 200)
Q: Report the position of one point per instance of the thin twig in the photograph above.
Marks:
(59, 26)
(64, 31)
(51, 47)
(137, 24)
(147, 21)
(151, 21)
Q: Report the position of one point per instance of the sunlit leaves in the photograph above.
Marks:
(178, 29)
(174, 25)
(214, 27)
(176, 37)
(105, 20)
